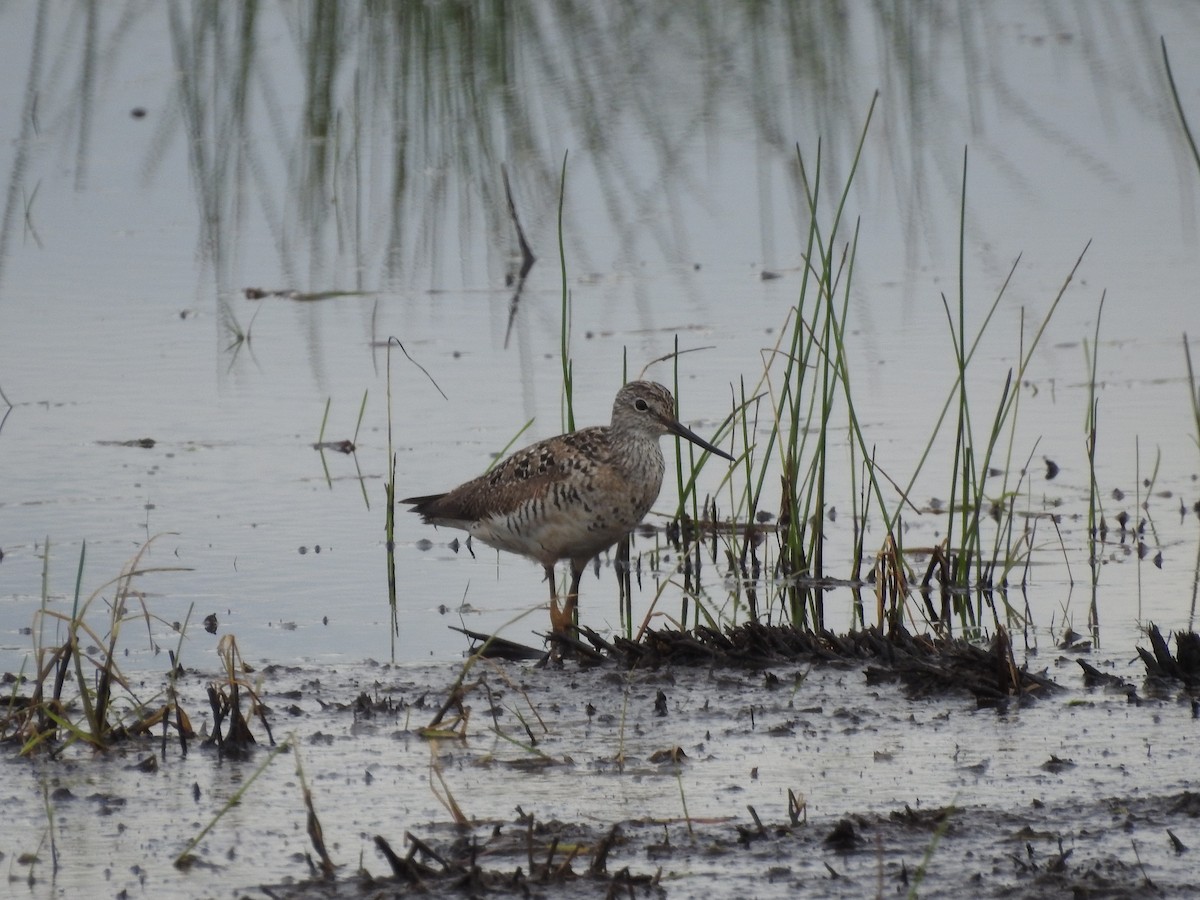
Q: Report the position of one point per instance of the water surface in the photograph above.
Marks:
(160, 164)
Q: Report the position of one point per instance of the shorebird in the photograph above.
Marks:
(572, 496)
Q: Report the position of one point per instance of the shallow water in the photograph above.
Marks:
(128, 241)
(156, 168)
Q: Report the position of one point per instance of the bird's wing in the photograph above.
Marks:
(525, 476)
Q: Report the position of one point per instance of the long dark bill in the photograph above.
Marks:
(684, 432)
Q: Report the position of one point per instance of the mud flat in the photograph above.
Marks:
(831, 778)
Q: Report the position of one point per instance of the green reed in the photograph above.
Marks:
(807, 380)
(966, 565)
(389, 513)
(1183, 120)
(1193, 390)
(389, 487)
(565, 324)
(1096, 526)
(689, 515)
(1193, 387)
(1194, 401)
(806, 389)
(804, 376)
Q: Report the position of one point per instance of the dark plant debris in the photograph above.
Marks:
(256, 293)
(1182, 666)
(145, 443)
(645, 858)
(926, 665)
(550, 851)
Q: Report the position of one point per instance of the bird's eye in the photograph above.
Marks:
(640, 405)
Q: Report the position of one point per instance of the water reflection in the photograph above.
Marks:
(366, 139)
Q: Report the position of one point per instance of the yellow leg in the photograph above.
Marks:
(571, 610)
(560, 617)
(564, 619)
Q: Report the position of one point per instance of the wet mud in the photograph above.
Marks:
(1041, 852)
(811, 778)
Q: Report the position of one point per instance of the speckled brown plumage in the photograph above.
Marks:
(571, 496)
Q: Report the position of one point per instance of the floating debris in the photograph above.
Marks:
(255, 293)
(144, 443)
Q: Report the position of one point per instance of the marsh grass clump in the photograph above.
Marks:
(78, 695)
(1181, 666)
(788, 423)
(225, 697)
(77, 692)
(799, 424)
(524, 856)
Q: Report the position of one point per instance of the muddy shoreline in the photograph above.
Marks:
(1038, 852)
(818, 779)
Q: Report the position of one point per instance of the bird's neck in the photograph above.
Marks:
(642, 460)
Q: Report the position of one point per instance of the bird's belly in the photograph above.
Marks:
(549, 531)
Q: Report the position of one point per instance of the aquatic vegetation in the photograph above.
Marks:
(777, 619)
(78, 694)
(808, 386)
(78, 691)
